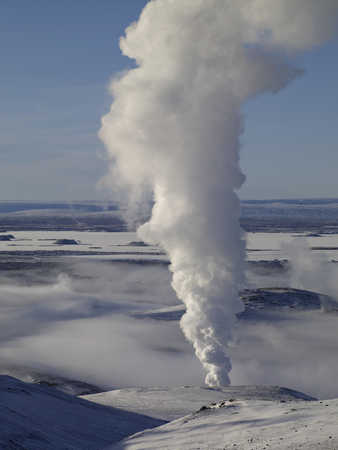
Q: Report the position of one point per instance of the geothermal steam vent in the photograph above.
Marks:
(173, 132)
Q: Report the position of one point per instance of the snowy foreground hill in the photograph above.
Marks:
(172, 403)
(246, 425)
(35, 417)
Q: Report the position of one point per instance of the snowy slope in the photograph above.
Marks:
(35, 417)
(171, 403)
(246, 425)
(66, 385)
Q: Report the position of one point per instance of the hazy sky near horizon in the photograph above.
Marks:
(57, 59)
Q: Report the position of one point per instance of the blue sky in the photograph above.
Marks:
(57, 58)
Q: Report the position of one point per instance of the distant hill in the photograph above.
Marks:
(314, 215)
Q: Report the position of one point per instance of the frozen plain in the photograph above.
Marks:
(107, 317)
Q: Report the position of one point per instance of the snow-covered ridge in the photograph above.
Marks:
(246, 425)
(34, 417)
(171, 403)
(43, 378)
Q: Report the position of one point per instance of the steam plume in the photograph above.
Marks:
(174, 129)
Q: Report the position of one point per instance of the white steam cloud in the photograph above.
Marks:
(311, 270)
(174, 130)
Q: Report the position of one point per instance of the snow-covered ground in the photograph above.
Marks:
(36, 417)
(261, 246)
(101, 316)
(88, 241)
(269, 246)
(246, 425)
(172, 403)
(52, 306)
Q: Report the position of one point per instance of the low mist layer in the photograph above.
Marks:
(94, 322)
